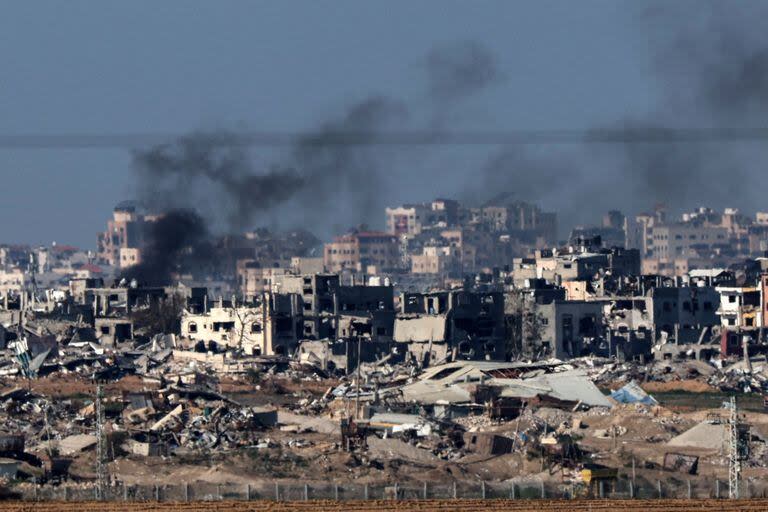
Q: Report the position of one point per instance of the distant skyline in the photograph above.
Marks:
(86, 67)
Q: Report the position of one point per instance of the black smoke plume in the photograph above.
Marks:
(332, 175)
(212, 172)
(177, 242)
(341, 169)
(330, 169)
(710, 62)
(209, 179)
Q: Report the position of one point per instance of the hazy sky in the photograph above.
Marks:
(109, 67)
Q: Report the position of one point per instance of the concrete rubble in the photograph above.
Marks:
(386, 417)
(566, 362)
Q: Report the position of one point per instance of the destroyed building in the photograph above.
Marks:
(272, 326)
(451, 325)
(331, 310)
(583, 263)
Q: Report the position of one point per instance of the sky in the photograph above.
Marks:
(113, 67)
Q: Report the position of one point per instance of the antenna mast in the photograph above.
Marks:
(734, 462)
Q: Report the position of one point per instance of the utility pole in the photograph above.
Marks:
(357, 394)
(734, 462)
(101, 446)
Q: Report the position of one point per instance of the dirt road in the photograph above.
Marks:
(392, 506)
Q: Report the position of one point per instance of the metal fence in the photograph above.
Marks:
(297, 491)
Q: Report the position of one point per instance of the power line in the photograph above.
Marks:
(400, 138)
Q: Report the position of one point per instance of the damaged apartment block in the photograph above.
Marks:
(269, 326)
(336, 318)
(445, 326)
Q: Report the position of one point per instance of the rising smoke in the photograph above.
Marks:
(177, 242)
(172, 176)
(458, 70)
(710, 62)
(329, 173)
(712, 65)
(711, 72)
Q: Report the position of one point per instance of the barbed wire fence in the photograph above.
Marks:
(622, 488)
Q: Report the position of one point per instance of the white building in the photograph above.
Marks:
(267, 328)
(236, 327)
(739, 307)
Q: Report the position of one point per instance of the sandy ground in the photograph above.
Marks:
(392, 506)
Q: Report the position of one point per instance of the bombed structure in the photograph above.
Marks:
(458, 333)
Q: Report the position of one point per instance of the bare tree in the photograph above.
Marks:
(248, 319)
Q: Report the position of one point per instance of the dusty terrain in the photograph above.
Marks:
(391, 505)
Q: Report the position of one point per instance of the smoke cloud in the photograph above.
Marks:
(332, 175)
(711, 71)
(211, 172)
(176, 242)
(343, 173)
(711, 67)
(460, 69)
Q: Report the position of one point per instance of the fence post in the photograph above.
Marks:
(631, 490)
(746, 488)
(482, 488)
(306, 492)
(658, 484)
(397, 494)
(336, 491)
(512, 491)
(424, 493)
(218, 492)
(157, 492)
(365, 492)
(689, 489)
(248, 492)
(542, 489)
(454, 490)
(34, 483)
(717, 488)
(277, 491)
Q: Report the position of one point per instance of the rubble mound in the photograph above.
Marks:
(705, 435)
